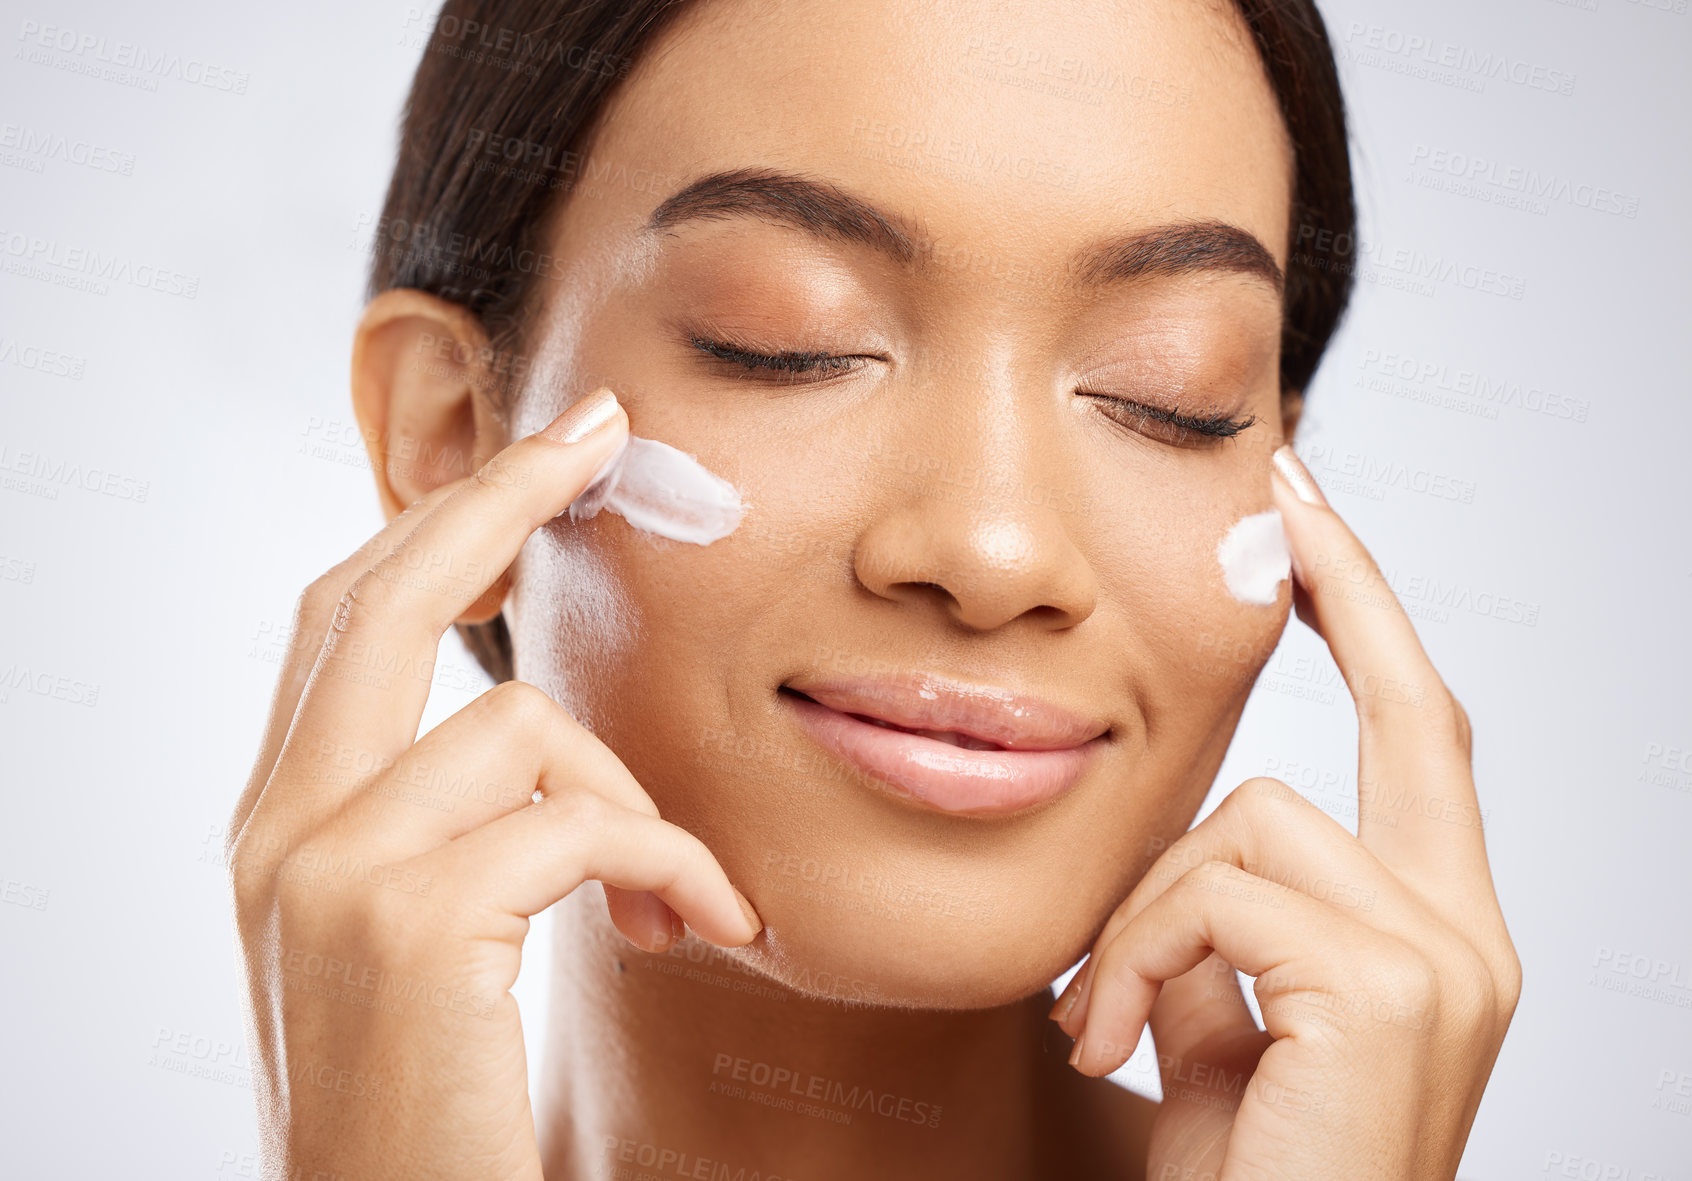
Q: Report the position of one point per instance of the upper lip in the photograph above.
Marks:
(933, 701)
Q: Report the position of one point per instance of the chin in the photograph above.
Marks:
(911, 962)
(890, 937)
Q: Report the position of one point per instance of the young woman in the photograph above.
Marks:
(997, 319)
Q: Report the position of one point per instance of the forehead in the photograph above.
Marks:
(1029, 127)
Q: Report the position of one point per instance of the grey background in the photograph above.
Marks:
(1549, 568)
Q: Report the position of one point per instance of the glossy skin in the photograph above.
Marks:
(1083, 573)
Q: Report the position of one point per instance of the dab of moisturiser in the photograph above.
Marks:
(657, 488)
(1255, 558)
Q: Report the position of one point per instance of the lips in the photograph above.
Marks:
(950, 737)
(945, 744)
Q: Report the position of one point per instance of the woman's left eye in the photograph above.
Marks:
(1171, 426)
(783, 366)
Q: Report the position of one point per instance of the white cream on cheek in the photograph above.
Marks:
(1255, 558)
(657, 488)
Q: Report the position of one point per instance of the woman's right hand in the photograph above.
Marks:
(383, 885)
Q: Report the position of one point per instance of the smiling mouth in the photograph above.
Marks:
(949, 737)
(936, 767)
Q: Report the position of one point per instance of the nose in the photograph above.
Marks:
(967, 528)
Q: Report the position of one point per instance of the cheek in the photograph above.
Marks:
(663, 650)
(573, 623)
(1192, 642)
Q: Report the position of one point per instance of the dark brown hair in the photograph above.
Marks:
(508, 92)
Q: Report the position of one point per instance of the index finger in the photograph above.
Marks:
(372, 678)
(1416, 796)
(312, 613)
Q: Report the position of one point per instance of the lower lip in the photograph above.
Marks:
(938, 775)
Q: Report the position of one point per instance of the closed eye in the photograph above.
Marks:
(1171, 426)
(783, 366)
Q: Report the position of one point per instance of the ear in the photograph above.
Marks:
(421, 379)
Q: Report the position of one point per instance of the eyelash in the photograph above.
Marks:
(1211, 428)
(788, 366)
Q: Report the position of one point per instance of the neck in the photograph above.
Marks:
(683, 1065)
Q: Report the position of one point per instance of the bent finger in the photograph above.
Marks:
(1267, 829)
(484, 762)
(527, 861)
(1256, 925)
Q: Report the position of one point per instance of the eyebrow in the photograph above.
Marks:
(827, 211)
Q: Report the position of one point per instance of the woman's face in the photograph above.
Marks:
(953, 512)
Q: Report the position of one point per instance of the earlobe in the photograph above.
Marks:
(421, 376)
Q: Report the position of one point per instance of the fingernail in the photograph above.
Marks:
(583, 418)
(1085, 976)
(752, 919)
(678, 929)
(1296, 475)
(1065, 1003)
(1075, 1054)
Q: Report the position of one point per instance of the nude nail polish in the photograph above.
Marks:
(1065, 1004)
(752, 918)
(582, 419)
(1296, 475)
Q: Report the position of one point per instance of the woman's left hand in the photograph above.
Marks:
(1385, 975)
